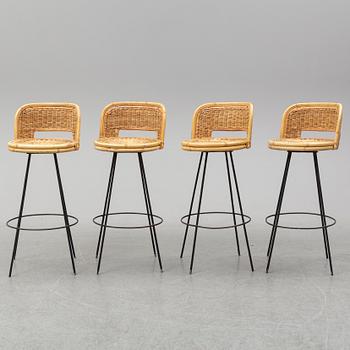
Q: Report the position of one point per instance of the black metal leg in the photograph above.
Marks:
(323, 220)
(105, 205)
(278, 210)
(241, 211)
(15, 244)
(232, 204)
(65, 215)
(70, 239)
(105, 217)
(278, 203)
(191, 205)
(148, 200)
(147, 206)
(322, 212)
(198, 212)
(64, 209)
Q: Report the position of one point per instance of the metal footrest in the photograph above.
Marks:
(247, 219)
(10, 224)
(97, 220)
(331, 220)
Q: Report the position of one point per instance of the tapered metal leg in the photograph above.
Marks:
(322, 212)
(15, 244)
(147, 206)
(278, 210)
(70, 239)
(241, 211)
(105, 205)
(323, 220)
(191, 205)
(105, 217)
(198, 212)
(64, 209)
(232, 204)
(150, 216)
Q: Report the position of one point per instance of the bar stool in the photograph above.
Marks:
(41, 117)
(117, 116)
(210, 117)
(319, 117)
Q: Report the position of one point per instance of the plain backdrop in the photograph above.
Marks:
(272, 53)
(181, 53)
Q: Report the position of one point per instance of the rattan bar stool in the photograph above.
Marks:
(318, 117)
(117, 116)
(210, 117)
(42, 117)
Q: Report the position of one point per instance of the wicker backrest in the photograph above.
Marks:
(222, 116)
(47, 117)
(143, 116)
(312, 116)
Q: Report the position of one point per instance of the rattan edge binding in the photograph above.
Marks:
(299, 104)
(214, 104)
(45, 104)
(135, 103)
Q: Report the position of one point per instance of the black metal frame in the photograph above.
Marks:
(324, 225)
(20, 216)
(244, 218)
(103, 223)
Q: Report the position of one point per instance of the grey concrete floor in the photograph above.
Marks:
(131, 305)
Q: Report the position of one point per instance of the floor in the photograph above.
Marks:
(131, 305)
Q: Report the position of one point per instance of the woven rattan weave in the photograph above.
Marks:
(220, 116)
(142, 116)
(41, 117)
(318, 117)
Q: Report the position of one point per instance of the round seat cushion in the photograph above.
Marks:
(127, 144)
(218, 144)
(44, 145)
(306, 144)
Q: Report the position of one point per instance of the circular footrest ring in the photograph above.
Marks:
(160, 220)
(8, 223)
(327, 217)
(247, 219)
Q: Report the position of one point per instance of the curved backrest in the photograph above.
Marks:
(143, 116)
(34, 117)
(313, 116)
(222, 116)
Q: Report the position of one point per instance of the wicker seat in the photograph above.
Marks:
(216, 144)
(319, 117)
(142, 116)
(127, 144)
(224, 116)
(39, 117)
